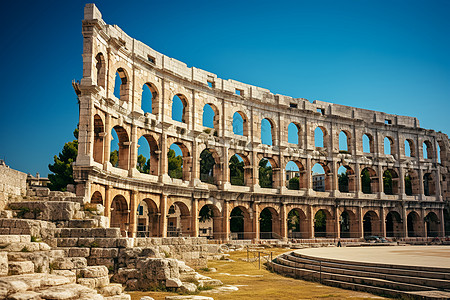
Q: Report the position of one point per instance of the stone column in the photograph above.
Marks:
(283, 222)
(336, 222)
(334, 179)
(108, 201)
(401, 178)
(380, 182)
(357, 180)
(194, 217)
(107, 141)
(226, 220)
(163, 219)
(360, 221)
(438, 185)
(195, 174)
(133, 212)
(442, 224)
(422, 219)
(308, 175)
(311, 222)
(256, 220)
(133, 151)
(405, 221)
(383, 222)
(163, 169)
(421, 187)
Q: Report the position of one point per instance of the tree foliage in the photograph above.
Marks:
(320, 222)
(236, 171)
(387, 182)
(207, 163)
(294, 221)
(114, 158)
(62, 166)
(365, 182)
(294, 183)
(343, 182)
(143, 164)
(175, 164)
(265, 220)
(265, 174)
(206, 213)
(408, 185)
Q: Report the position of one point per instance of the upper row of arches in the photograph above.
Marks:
(240, 123)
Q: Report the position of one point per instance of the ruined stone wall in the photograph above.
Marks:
(12, 183)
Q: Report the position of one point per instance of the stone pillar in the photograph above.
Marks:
(405, 221)
(360, 221)
(424, 228)
(334, 179)
(311, 222)
(108, 201)
(133, 212)
(107, 141)
(163, 169)
(254, 170)
(421, 188)
(401, 175)
(308, 175)
(256, 220)
(442, 224)
(163, 219)
(226, 220)
(358, 189)
(380, 182)
(382, 222)
(283, 222)
(225, 168)
(337, 223)
(195, 174)
(194, 217)
(133, 151)
(438, 185)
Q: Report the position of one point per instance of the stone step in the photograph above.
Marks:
(112, 289)
(29, 282)
(87, 233)
(69, 291)
(76, 251)
(20, 267)
(68, 263)
(119, 297)
(26, 247)
(45, 210)
(36, 228)
(40, 259)
(8, 239)
(86, 223)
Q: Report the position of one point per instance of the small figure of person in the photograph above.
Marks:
(339, 243)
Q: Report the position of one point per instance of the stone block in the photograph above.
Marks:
(20, 267)
(173, 283)
(188, 287)
(106, 242)
(71, 276)
(79, 252)
(111, 289)
(54, 280)
(104, 252)
(119, 297)
(68, 291)
(22, 247)
(93, 272)
(125, 242)
(3, 263)
(68, 263)
(26, 295)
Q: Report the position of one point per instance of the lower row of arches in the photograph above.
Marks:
(244, 223)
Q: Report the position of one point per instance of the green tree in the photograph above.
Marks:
(387, 182)
(206, 213)
(408, 185)
(236, 171)
(62, 166)
(175, 164)
(320, 222)
(265, 220)
(236, 220)
(343, 182)
(294, 221)
(143, 164)
(265, 174)
(114, 158)
(206, 166)
(294, 183)
(365, 182)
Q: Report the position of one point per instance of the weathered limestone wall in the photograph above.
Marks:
(12, 183)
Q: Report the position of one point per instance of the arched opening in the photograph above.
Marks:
(369, 181)
(208, 167)
(297, 224)
(97, 198)
(320, 137)
(240, 225)
(238, 174)
(147, 219)
(269, 226)
(121, 85)
(347, 224)
(240, 123)
(390, 182)
(211, 118)
(447, 221)
(210, 225)
(393, 224)
(367, 143)
(267, 132)
(388, 146)
(149, 98)
(147, 160)
(428, 184)
(413, 224)
(294, 134)
(409, 148)
(99, 134)
(442, 154)
(411, 183)
(432, 223)
(322, 224)
(179, 108)
(371, 224)
(427, 150)
(120, 148)
(119, 215)
(178, 220)
(100, 66)
(265, 173)
(346, 179)
(438, 151)
(178, 167)
(344, 142)
(295, 175)
(319, 178)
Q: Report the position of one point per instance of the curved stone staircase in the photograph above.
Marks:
(412, 282)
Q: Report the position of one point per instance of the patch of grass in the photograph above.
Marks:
(22, 211)
(94, 244)
(157, 288)
(51, 267)
(166, 254)
(25, 249)
(205, 288)
(35, 239)
(205, 269)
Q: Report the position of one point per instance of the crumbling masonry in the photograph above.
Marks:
(415, 211)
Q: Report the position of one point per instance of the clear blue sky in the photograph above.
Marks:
(391, 56)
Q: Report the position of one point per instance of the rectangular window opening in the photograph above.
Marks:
(151, 59)
(239, 92)
(210, 84)
(388, 122)
(293, 105)
(321, 111)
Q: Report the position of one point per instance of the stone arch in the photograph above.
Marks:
(99, 139)
(427, 149)
(124, 147)
(369, 181)
(152, 167)
(240, 170)
(266, 174)
(348, 224)
(409, 145)
(186, 162)
(429, 185)
(210, 222)
(320, 137)
(178, 219)
(240, 223)
(120, 214)
(295, 133)
(97, 198)
(296, 179)
(147, 218)
(390, 182)
(411, 183)
(123, 90)
(414, 224)
(269, 223)
(323, 223)
(367, 143)
(210, 170)
(345, 141)
(297, 224)
(240, 123)
(432, 223)
(265, 139)
(389, 145)
(346, 179)
(215, 117)
(180, 116)
(152, 97)
(100, 66)
(371, 224)
(393, 224)
(442, 151)
(321, 182)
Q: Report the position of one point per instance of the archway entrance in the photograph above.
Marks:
(322, 224)
(147, 219)
(210, 225)
(178, 220)
(371, 223)
(432, 223)
(240, 224)
(413, 224)
(268, 226)
(347, 225)
(393, 224)
(119, 215)
(296, 224)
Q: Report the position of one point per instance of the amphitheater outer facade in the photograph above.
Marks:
(173, 205)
